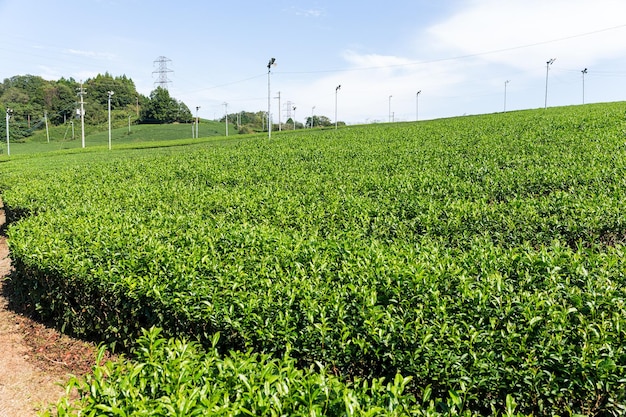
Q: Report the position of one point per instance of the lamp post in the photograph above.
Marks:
(336, 90)
(548, 63)
(82, 114)
(110, 93)
(584, 72)
(294, 118)
(417, 98)
(271, 63)
(197, 121)
(226, 113)
(390, 109)
(9, 112)
(312, 117)
(505, 83)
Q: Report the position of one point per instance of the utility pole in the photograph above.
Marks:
(584, 72)
(45, 118)
(110, 93)
(390, 109)
(81, 93)
(550, 62)
(312, 116)
(294, 118)
(505, 83)
(417, 105)
(270, 64)
(197, 121)
(336, 91)
(226, 111)
(9, 112)
(280, 127)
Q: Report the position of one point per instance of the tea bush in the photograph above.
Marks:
(477, 255)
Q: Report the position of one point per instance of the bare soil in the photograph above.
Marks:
(35, 360)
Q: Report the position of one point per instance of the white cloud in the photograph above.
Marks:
(370, 79)
(527, 32)
(91, 54)
(309, 12)
(376, 61)
(461, 62)
(84, 75)
(49, 73)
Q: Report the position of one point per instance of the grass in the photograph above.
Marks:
(98, 136)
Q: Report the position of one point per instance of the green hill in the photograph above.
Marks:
(98, 136)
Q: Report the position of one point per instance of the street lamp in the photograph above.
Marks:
(417, 97)
(336, 90)
(82, 114)
(584, 72)
(226, 112)
(110, 93)
(550, 62)
(197, 121)
(505, 83)
(9, 113)
(312, 116)
(294, 118)
(270, 64)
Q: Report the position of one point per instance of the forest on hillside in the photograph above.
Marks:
(29, 100)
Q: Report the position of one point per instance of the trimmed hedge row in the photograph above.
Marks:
(476, 255)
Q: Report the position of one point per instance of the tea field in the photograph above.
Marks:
(474, 263)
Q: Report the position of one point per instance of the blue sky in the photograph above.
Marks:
(458, 53)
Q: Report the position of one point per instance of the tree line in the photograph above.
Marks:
(32, 99)
(248, 122)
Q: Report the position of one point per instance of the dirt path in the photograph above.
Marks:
(34, 359)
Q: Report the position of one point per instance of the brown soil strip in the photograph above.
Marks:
(34, 359)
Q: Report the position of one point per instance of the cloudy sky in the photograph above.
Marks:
(458, 53)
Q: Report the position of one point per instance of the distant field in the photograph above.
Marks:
(480, 257)
(61, 136)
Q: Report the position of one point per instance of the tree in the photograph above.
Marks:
(290, 126)
(24, 94)
(162, 108)
(249, 122)
(59, 101)
(124, 88)
(184, 114)
(319, 121)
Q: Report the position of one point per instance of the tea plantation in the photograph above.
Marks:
(465, 266)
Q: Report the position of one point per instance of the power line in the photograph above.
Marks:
(459, 57)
